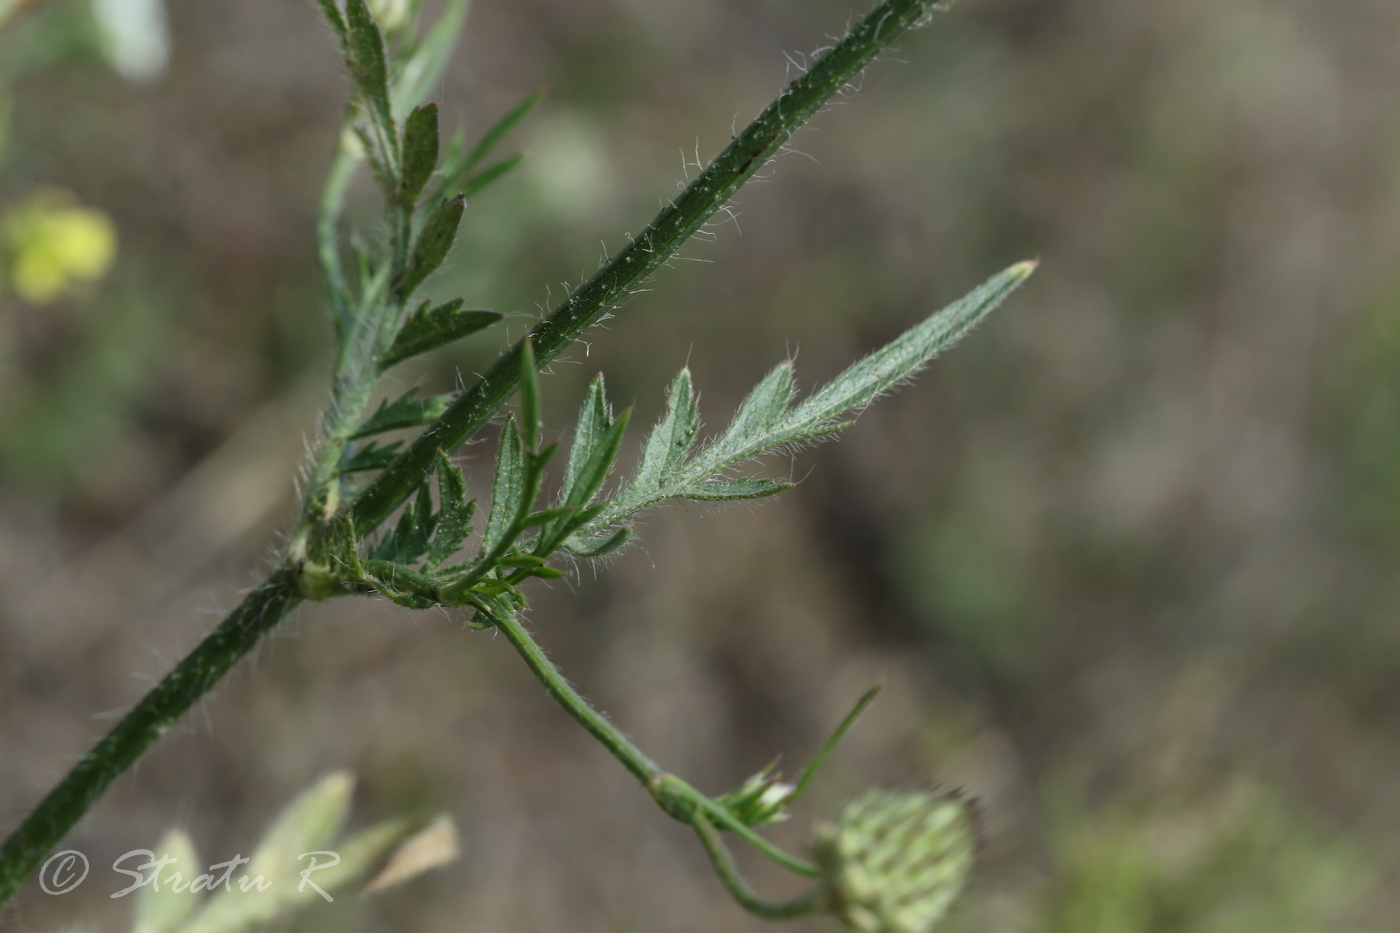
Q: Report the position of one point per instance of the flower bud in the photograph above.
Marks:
(895, 861)
(763, 799)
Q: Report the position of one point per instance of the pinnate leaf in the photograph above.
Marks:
(765, 422)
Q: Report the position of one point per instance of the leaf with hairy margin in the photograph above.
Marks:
(598, 545)
(337, 22)
(432, 245)
(372, 456)
(409, 539)
(430, 328)
(364, 48)
(508, 491)
(765, 422)
(741, 488)
(593, 421)
(406, 411)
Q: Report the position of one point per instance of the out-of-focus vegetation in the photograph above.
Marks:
(1126, 560)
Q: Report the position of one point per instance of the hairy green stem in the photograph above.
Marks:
(617, 279)
(139, 729)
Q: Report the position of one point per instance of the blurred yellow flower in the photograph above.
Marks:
(55, 246)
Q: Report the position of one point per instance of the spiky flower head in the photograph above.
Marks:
(895, 861)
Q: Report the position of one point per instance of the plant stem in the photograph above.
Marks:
(576, 706)
(687, 804)
(674, 795)
(139, 729)
(617, 279)
(739, 889)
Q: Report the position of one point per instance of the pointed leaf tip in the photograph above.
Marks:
(594, 420)
(163, 909)
(308, 822)
(429, 848)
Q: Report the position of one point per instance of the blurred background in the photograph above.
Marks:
(1125, 559)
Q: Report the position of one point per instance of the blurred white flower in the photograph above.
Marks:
(134, 36)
